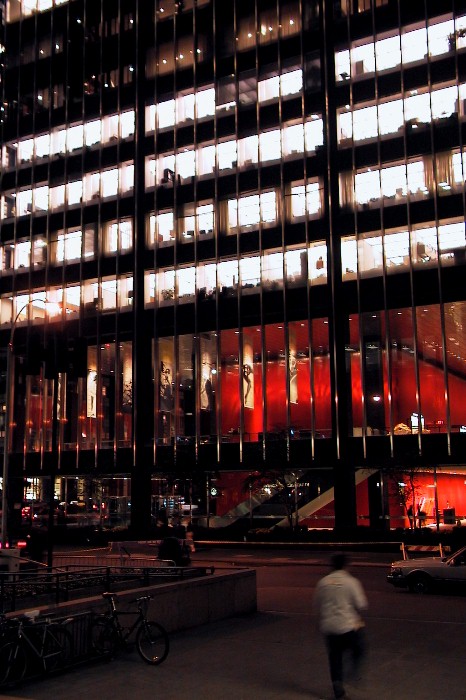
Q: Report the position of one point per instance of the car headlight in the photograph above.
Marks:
(396, 571)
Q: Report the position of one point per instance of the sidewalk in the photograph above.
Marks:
(272, 656)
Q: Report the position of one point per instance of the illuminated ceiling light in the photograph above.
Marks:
(291, 22)
(249, 35)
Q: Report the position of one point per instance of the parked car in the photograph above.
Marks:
(430, 573)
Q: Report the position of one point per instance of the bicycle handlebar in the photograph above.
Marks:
(111, 597)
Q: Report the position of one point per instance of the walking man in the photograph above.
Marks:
(339, 601)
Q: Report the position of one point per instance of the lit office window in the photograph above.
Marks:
(165, 114)
(313, 134)
(296, 265)
(109, 294)
(74, 192)
(270, 145)
(370, 255)
(293, 139)
(396, 248)
(75, 137)
(452, 243)
(125, 292)
(250, 274)
(349, 257)
(41, 198)
(22, 255)
(253, 210)
(162, 228)
(205, 160)
(205, 220)
(119, 236)
(109, 183)
(57, 196)
(71, 299)
(68, 246)
(306, 200)
(388, 53)
(43, 146)
(185, 108)
(317, 263)
(272, 270)
(286, 85)
(186, 164)
(127, 124)
(39, 251)
(206, 280)
(227, 277)
(424, 247)
(166, 286)
(186, 284)
(92, 132)
(227, 155)
(205, 103)
(248, 151)
(24, 202)
(414, 45)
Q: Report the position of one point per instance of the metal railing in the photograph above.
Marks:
(75, 581)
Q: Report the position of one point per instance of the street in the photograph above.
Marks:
(416, 644)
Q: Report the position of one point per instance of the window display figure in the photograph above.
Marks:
(247, 385)
(166, 390)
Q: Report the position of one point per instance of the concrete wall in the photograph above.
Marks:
(182, 604)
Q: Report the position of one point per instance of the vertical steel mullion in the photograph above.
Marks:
(264, 361)
(237, 257)
(176, 242)
(116, 408)
(283, 224)
(156, 357)
(197, 345)
(99, 253)
(309, 317)
(219, 414)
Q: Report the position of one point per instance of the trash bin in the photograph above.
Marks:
(449, 516)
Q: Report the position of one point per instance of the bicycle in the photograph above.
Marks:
(24, 643)
(108, 634)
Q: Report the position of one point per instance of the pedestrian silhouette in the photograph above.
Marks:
(339, 601)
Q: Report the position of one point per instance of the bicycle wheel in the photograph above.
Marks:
(13, 663)
(58, 648)
(152, 643)
(103, 637)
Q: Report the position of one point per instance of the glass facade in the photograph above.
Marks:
(224, 251)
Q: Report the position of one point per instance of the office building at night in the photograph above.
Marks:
(233, 240)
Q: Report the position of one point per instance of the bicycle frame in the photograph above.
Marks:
(22, 633)
(124, 633)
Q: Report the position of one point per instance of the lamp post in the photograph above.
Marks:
(6, 442)
(8, 418)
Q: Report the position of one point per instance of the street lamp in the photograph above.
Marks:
(8, 417)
